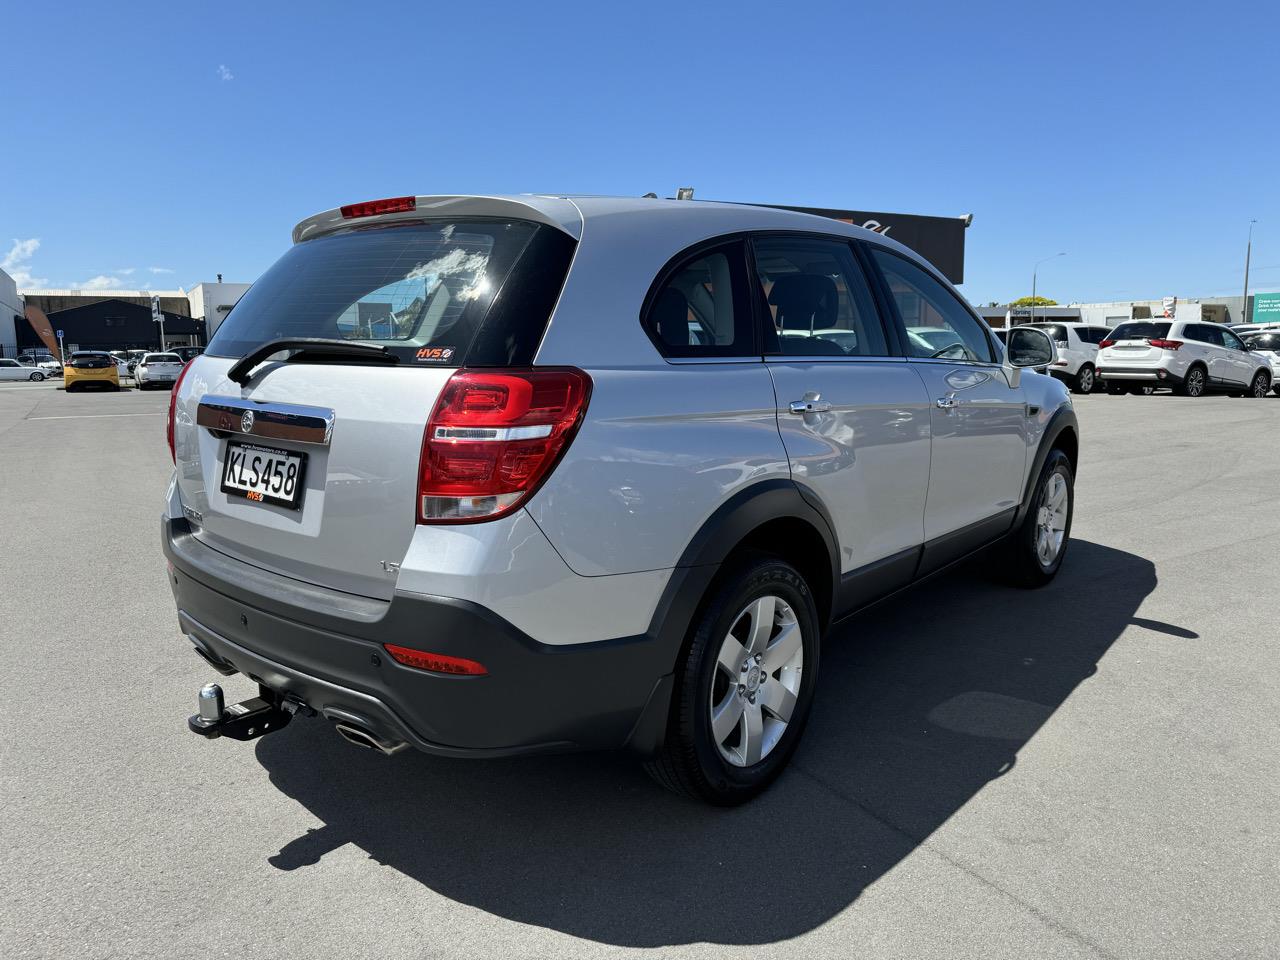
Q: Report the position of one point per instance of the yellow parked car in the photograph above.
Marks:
(91, 368)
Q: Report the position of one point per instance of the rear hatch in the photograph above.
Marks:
(1129, 344)
(163, 365)
(310, 468)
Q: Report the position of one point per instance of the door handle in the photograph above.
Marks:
(945, 403)
(801, 407)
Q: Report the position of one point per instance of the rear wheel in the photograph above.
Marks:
(1194, 384)
(744, 686)
(1034, 552)
(1084, 380)
(1261, 384)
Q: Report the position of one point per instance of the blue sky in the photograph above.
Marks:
(159, 144)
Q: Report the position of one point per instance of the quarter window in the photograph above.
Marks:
(818, 299)
(937, 323)
(699, 311)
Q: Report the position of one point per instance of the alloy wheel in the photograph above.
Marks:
(1051, 519)
(1261, 385)
(1086, 380)
(1195, 383)
(756, 681)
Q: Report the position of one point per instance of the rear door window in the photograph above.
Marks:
(818, 299)
(426, 291)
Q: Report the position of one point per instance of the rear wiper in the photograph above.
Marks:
(242, 369)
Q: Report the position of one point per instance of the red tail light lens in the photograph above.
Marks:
(1106, 343)
(435, 662)
(373, 208)
(493, 438)
(1165, 344)
(173, 408)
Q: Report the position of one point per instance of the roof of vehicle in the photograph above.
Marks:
(572, 213)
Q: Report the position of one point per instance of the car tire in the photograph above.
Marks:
(1194, 384)
(36, 377)
(1261, 385)
(728, 761)
(1033, 553)
(1084, 380)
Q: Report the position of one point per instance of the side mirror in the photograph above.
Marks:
(1031, 347)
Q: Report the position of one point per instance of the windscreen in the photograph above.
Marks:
(1140, 330)
(1263, 341)
(1056, 331)
(422, 290)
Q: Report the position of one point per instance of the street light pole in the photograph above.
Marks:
(1248, 250)
(1034, 271)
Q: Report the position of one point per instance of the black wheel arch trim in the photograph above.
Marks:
(1063, 419)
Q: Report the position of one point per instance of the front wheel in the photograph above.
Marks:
(36, 377)
(1034, 552)
(1261, 385)
(744, 686)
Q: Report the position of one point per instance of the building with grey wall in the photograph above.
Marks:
(11, 314)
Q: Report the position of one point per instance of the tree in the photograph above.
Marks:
(1034, 302)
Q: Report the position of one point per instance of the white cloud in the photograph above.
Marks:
(224, 73)
(101, 282)
(159, 270)
(14, 263)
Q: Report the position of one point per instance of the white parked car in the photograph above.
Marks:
(1192, 357)
(13, 370)
(1267, 346)
(45, 361)
(1077, 352)
(157, 370)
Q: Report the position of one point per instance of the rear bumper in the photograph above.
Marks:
(1137, 375)
(325, 648)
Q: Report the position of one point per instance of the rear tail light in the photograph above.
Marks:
(373, 208)
(1106, 343)
(435, 662)
(173, 407)
(1165, 344)
(493, 437)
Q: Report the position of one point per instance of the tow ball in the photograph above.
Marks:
(247, 720)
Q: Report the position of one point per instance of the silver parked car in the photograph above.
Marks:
(156, 369)
(13, 370)
(497, 475)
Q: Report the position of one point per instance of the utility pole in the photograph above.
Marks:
(1034, 271)
(1248, 250)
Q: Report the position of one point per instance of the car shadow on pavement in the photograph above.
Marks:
(923, 700)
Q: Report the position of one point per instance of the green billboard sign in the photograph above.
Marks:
(1266, 308)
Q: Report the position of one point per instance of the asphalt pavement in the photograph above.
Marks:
(1088, 770)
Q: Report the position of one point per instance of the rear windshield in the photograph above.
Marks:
(163, 358)
(91, 361)
(437, 293)
(1140, 330)
(1056, 331)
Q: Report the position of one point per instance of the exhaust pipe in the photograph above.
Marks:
(368, 739)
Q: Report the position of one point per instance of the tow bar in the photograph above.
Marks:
(247, 720)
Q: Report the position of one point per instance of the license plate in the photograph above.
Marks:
(263, 474)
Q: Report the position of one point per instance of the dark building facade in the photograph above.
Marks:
(115, 324)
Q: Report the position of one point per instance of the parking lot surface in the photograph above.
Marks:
(1090, 770)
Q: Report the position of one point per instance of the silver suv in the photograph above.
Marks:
(498, 475)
